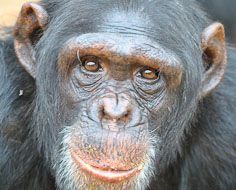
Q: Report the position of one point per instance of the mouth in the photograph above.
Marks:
(108, 175)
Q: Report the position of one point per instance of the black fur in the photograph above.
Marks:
(204, 159)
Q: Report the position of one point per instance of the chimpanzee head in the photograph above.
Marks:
(118, 83)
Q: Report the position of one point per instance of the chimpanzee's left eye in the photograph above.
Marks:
(150, 74)
(91, 63)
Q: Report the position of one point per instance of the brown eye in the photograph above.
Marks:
(150, 74)
(91, 64)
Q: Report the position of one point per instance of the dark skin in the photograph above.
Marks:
(120, 100)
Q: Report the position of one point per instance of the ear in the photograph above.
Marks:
(31, 23)
(214, 57)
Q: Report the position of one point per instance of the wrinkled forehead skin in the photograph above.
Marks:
(159, 20)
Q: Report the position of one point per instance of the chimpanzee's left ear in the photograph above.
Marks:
(214, 57)
(30, 24)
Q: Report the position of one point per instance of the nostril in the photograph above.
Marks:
(125, 118)
(103, 114)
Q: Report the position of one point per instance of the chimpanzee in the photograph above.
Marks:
(117, 95)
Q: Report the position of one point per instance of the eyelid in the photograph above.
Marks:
(80, 58)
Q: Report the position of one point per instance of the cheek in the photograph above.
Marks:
(76, 94)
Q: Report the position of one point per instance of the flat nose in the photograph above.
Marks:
(116, 108)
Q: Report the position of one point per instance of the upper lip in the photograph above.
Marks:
(108, 175)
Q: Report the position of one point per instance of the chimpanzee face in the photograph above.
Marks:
(120, 97)
(115, 84)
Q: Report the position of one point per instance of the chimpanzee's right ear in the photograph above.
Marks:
(215, 57)
(31, 23)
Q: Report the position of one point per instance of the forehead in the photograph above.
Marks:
(145, 18)
(120, 16)
(126, 33)
(127, 22)
(130, 18)
(154, 20)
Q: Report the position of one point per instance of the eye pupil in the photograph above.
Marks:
(150, 74)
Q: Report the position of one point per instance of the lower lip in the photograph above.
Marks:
(105, 175)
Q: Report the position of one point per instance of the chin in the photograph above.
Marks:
(73, 173)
